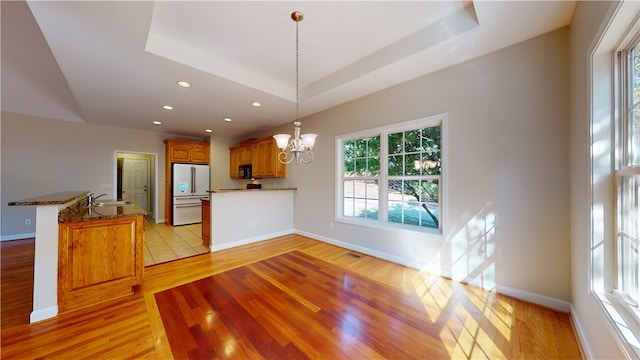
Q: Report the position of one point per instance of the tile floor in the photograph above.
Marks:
(166, 243)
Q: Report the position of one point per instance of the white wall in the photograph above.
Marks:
(507, 195)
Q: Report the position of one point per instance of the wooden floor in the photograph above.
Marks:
(301, 297)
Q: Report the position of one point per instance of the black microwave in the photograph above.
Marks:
(244, 171)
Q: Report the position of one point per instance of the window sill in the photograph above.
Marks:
(625, 323)
(416, 230)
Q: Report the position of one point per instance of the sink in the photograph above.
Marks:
(113, 203)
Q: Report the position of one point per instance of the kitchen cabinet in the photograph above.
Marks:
(99, 260)
(245, 154)
(234, 161)
(259, 165)
(187, 152)
(239, 155)
(206, 223)
(264, 161)
(184, 152)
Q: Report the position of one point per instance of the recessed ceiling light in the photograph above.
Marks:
(256, 104)
(167, 107)
(184, 84)
(208, 130)
(228, 119)
(157, 122)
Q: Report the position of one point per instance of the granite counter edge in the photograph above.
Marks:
(248, 190)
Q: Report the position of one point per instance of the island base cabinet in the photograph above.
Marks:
(206, 223)
(99, 260)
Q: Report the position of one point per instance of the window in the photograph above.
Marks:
(628, 178)
(392, 176)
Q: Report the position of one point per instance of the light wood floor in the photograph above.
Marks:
(465, 321)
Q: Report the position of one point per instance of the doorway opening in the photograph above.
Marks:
(136, 180)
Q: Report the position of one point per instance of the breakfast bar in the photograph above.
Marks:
(244, 216)
(53, 210)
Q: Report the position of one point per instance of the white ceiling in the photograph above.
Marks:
(117, 62)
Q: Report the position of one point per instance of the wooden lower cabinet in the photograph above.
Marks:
(99, 260)
(206, 223)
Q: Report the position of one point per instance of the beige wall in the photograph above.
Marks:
(219, 161)
(42, 156)
(507, 194)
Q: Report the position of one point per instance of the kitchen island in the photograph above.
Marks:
(59, 211)
(244, 216)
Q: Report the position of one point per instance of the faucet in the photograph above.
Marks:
(91, 200)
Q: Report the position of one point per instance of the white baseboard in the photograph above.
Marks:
(17, 236)
(542, 300)
(250, 240)
(43, 314)
(364, 250)
(581, 335)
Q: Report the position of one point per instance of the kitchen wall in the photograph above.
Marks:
(40, 156)
(219, 147)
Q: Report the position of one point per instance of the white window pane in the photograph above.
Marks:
(359, 207)
(628, 238)
(348, 207)
(348, 190)
(372, 209)
(372, 189)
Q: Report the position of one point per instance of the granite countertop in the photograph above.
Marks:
(51, 199)
(81, 212)
(263, 189)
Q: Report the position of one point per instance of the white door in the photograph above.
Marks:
(135, 181)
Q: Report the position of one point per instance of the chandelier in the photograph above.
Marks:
(301, 146)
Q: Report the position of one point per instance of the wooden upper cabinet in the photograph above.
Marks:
(263, 159)
(185, 151)
(234, 161)
(245, 154)
(239, 155)
(259, 164)
(199, 154)
(275, 167)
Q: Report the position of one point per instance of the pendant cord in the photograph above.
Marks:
(297, 72)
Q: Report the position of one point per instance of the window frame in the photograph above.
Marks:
(383, 132)
(624, 168)
(606, 109)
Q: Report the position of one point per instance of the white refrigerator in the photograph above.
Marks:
(190, 186)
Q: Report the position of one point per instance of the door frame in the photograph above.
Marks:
(153, 174)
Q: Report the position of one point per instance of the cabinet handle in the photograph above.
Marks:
(184, 206)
